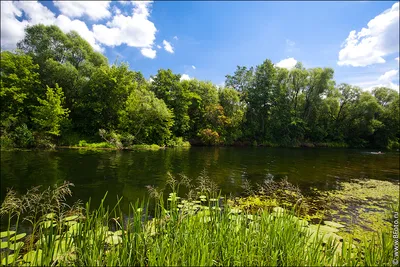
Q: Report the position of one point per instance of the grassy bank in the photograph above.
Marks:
(203, 229)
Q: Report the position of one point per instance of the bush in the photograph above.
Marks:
(209, 137)
(178, 142)
(23, 137)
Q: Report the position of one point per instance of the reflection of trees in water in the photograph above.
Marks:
(126, 173)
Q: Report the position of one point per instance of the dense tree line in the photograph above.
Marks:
(55, 89)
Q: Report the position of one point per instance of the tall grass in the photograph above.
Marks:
(201, 230)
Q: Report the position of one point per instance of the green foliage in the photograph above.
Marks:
(209, 137)
(49, 115)
(202, 230)
(146, 117)
(263, 104)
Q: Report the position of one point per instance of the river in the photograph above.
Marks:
(126, 173)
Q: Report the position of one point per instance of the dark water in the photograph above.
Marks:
(126, 174)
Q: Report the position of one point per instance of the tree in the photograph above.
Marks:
(20, 87)
(146, 117)
(49, 115)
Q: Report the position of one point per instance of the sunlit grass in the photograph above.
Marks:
(200, 230)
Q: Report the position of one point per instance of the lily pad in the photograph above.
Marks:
(324, 229)
(48, 224)
(33, 257)
(119, 232)
(70, 223)
(8, 260)
(6, 233)
(73, 229)
(70, 218)
(16, 246)
(50, 215)
(113, 240)
(278, 210)
(18, 237)
(333, 224)
(4, 245)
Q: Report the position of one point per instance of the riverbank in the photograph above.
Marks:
(201, 229)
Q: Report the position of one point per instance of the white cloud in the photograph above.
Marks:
(385, 80)
(371, 44)
(67, 25)
(148, 52)
(397, 58)
(193, 67)
(185, 77)
(95, 10)
(168, 47)
(175, 37)
(12, 30)
(159, 46)
(389, 75)
(116, 10)
(135, 30)
(287, 63)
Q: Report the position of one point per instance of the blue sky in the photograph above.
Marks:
(215, 37)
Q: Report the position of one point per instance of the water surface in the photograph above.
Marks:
(126, 173)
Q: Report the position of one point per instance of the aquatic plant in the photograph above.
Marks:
(204, 230)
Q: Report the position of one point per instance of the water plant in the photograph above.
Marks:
(201, 229)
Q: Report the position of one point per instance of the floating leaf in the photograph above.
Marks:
(4, 245)
(8, 260)
(213, 199)
(73, 229)
(6, 233)
(203, 196)
(18, 237)
(323, 229)
(33, 256)
(333, 224)
(48, 224)
(279, 210)
(70, 223)
(50, 215)
(113, 240)
(16, 246)
(119, 232)
(70, 218)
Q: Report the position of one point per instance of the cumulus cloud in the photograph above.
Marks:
(148, 52)
(287, 63)
(168, 47)
(193, 67)
(94, 10)
(371, 44)
(135, 30)
(397, 58)
(389, 75)
(388, 79)
(12, 30)
(175, 37)
(159, 46)
(185, 77)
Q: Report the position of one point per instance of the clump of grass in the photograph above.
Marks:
(203, 230)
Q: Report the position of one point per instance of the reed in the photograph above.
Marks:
(200, 230)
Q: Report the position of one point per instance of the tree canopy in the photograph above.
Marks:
(56, 90)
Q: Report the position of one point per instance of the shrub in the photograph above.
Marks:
(209, 137)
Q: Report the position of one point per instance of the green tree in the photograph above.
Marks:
(50, 113)
(146, 117)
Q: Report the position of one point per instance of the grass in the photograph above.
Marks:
(202, 229)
